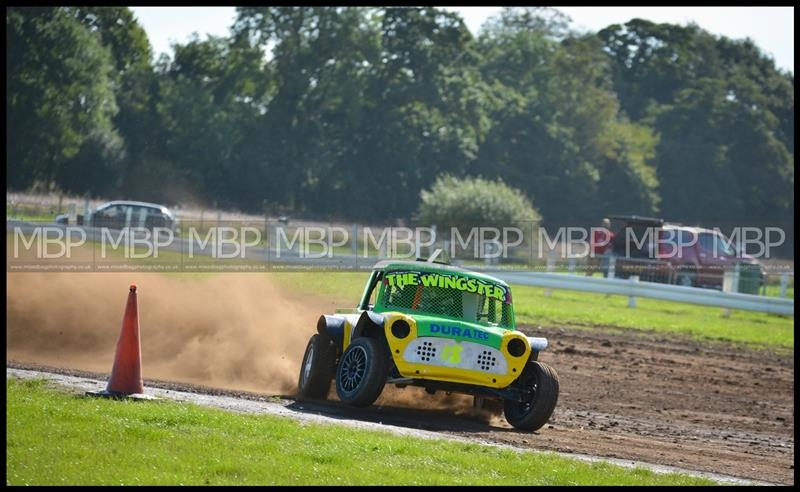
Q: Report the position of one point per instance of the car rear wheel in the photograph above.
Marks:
(317, 369)
(362, 372)
(539, 385)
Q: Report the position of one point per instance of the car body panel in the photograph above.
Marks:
(444, 357)
(119, 214)
(463, 331)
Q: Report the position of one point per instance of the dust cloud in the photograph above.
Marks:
(458, 404)
(236, 331)
(232, 331)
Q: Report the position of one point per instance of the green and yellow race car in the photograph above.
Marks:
(432, 325)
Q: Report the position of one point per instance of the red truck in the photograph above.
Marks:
(659, 251)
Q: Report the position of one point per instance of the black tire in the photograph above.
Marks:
(317, 369)
(362, 372)
(541, 381)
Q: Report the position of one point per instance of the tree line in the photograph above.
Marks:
(349, 112)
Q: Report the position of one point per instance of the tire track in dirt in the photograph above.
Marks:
(675, 401)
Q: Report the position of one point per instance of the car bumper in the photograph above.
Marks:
(446, 359)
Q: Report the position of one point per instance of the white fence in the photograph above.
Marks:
(633, 288)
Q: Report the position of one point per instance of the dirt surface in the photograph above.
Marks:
(624, 393)
(669, 401)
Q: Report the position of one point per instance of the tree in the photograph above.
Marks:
(425, 112)
(59, 92)
(134, 85)
(719, 160)
(724, 113)
(347, 112)
(319, 61)
(652, 62)
(210, 102)
(558, 132)
(370, 104)
(545, 21)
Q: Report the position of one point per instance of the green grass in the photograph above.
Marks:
(585, 310)
(344, 288)
(699, 322)
(29, 214)
(775, 291)
(56, 438)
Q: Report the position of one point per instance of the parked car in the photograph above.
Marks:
(443, 328)
(687, 256)
(119, 214)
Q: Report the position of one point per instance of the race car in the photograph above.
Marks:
(423, 323)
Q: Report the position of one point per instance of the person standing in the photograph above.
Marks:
(601, 248)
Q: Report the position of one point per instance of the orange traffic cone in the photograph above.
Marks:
(126, 375)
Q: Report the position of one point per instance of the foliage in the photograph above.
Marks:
(137, 93)
(558, 133)
(59, 92)
(724, 114)
(348, 112)
(474, 202)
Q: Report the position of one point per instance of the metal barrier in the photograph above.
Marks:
(633, 288)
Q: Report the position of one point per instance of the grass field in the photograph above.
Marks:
(584, 310)
(29, 214)
(58, 438)
(700, 322)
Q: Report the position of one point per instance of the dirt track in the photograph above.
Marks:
(634, 397)
(711, 408)
(624, 394)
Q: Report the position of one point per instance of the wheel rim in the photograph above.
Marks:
(353, 368)
(529, 399)
(307, 365)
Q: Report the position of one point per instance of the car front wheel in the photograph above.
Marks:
(362, 372)
(539, 386)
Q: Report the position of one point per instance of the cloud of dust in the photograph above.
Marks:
(235, 331)
(455, 403)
